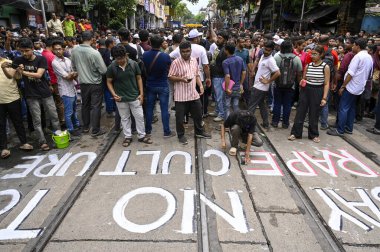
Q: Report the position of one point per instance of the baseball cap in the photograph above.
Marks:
(276, 37)
(194, 33)
(136, 36)
(279, 41)
(170, 37)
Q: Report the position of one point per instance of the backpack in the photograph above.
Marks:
(329, 60)
(288, 72)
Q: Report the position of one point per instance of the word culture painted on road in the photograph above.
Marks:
(262, 164)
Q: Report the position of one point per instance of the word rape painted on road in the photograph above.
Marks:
(262, 164)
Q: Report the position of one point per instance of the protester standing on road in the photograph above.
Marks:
(217, 74)
(54, 24)
(184, 72)
(234, 72)
(313, 95)
(66, 87)
(49, 55)
(157, 84)
(125, 84)
(68, 26)
(89, 65)
(37, 88)
(267, 72)
(10, 106)
(290, 67)
(354, 84)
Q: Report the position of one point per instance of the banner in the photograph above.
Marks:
(167, 10)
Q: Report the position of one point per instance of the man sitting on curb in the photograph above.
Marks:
(242, 126)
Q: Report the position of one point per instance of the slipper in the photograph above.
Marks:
(45, 147)
(373, 131)
(316, 140)
(127, 142)
(233, 151)
(5, 153)
(26, 147)
(292, 138)
(146, 140)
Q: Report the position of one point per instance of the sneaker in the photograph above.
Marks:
(332, 132)
(324, 127)
(218, 119)
(85, 130)
(99, 133)
(75, 133)
(212, 114)
(183, 140)
(172, 134)
(265, 126)
(203, 135)
(285, 126)
(274, 125)
(348, 131)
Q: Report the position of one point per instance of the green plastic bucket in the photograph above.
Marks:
(62, 141)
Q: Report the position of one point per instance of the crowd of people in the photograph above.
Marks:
(190, 72)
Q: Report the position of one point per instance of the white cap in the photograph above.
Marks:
(165, 38)
(276, 37)
(170, 37)
(136, 36)
(279, 41)
(194, 33)
(176, 31)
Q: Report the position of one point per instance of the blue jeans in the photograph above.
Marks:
(282, 99)
(219, 96)
(108, 99)
(163, 95)
(70, 107)
(234, 100)
(346, 114)
(325, 112)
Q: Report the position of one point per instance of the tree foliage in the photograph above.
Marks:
(120, 9)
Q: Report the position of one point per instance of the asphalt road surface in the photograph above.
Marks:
(99, 196)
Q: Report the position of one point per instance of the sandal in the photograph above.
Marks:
(26, 147)
(316, 140)
(292, 138)
(5, 153)
(45, 147)
(146, 140)
(127, 142)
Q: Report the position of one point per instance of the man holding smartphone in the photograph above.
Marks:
(184, 72)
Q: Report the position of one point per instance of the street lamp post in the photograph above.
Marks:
(302, 12)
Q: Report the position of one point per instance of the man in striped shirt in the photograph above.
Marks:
(184, 73)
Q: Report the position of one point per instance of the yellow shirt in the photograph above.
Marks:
(8, 87)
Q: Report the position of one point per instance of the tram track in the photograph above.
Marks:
(59, 212)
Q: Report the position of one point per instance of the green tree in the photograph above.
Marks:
(181, 12)
(119, 9)
(199, 17)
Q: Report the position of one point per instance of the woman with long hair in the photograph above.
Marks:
(313, 96)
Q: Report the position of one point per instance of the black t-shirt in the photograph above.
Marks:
(217, 68)
(245, 120)
(34, 88)
(132, 52)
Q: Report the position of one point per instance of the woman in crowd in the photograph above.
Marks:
(313, 96)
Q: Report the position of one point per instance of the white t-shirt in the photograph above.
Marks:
(360, 68)
(267, 66)
(198, 52)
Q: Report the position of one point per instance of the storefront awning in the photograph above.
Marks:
(18, 4)
(312, 15)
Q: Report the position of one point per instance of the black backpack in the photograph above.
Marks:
(329, 60)
(288, 72)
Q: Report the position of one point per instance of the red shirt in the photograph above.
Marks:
(333, 52)
(50, 57)
(302, 56)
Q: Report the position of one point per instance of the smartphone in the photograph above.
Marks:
(14, 66)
